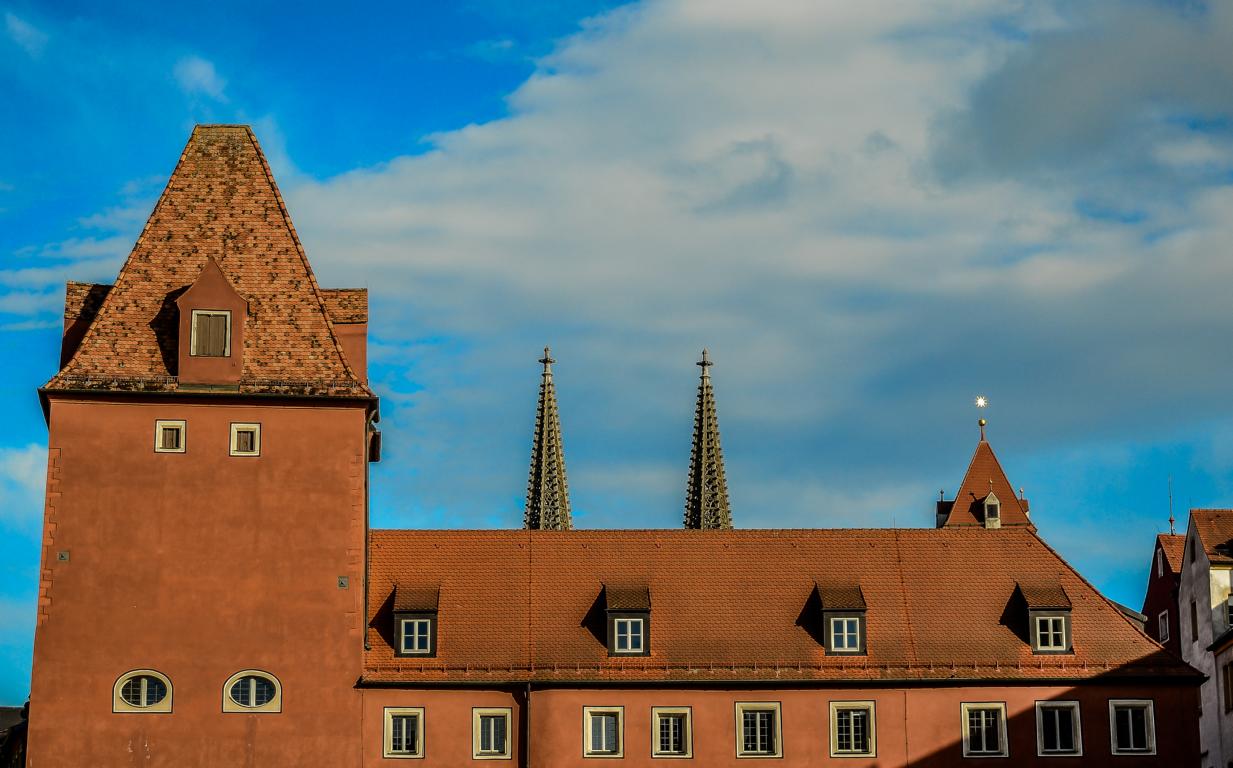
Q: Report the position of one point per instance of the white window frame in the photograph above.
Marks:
(477, 719)
(776, 727)
(274, 705)
(1159, 562)
(867, 706)
(968, 706)
(160, 425)
(1149, 724)
(1076, 723)
(588, 749)
(838, 620)
(387, 741)
(687, 735)
(627, 623)
(118, 704)
(403, 636)
(1162, 626)
(193, 331)
(1041, 635)
(236, 428)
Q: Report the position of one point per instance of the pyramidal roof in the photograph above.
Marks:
(220, 203)
(984, 476)
(706, 498)
(547, 490)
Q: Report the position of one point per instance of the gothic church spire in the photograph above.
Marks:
(547, 491)
(706, 501)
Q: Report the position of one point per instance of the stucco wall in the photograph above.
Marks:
(1208, 588)
(199, 565)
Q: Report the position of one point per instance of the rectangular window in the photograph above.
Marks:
(1132, 726)
(1051, 633)
(845, 635)
(1162, 625)
(1226, 680)
(211, 334)
(757, 729)
(491, 733)
(984, 729)
(1194, 622)
(417, 636)
(245, 439)
(1057, 728)
(404, 732)
(672, 735)
(1159, 562)
(169, 436)
(629, 635)
(852, 728)
(603, 731)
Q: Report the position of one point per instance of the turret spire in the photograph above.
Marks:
(547, 490)
(706, 501)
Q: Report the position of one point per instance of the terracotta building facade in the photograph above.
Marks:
(211, 593)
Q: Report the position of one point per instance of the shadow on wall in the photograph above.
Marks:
(13, 736)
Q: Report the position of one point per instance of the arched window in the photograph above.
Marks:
(142, 690)
(252, 690)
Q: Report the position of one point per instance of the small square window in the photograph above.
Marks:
(672, 735)
(211, 333)
(629, 635)
(845, 635)
(245, 439)
(1051, 633)
(603, 731)
(984, 729)
(1058, 730)
(404, 732)
(1132, 727)
(415, 637)
(169, 436)
(853, 730)
(757, 729)
(491, 728)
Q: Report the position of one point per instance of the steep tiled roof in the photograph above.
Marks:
(841, 597)
(734, 605)
(1173, 545)
(1215, 528)
(1040, 596)
(83, 300)
(346, 305)
(985, 475)
(220, 202)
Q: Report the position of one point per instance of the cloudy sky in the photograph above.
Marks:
(869, 212)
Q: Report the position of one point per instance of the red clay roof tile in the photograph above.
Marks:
(731, 605)
(1215, 528)
(985, 475)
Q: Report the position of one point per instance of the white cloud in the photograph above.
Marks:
(30, 38)
(196, 75)
(23, 474)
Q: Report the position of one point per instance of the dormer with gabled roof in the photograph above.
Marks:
(210, 348)
(986, 498)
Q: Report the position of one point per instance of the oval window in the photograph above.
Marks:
(143, 691)
(252, 691)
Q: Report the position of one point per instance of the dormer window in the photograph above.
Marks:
(629, 620)
(843, 618)
(993, 511)
(211, 335)
(415, 621)
(1048, 609)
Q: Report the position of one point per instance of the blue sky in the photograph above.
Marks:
(869, 212)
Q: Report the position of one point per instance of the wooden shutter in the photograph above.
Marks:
(211, 335)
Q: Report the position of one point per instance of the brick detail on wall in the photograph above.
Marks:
(50, 521)
(355, 553)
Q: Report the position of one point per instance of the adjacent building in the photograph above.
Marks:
(1162, 619)
(211, 594)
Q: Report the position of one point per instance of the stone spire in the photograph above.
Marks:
(706, 500)
(547, 491)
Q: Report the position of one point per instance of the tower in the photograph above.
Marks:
(547, 490)
(201, 591)
(706, 498)
(985, 497)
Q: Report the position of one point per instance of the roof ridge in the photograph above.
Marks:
(299, 249)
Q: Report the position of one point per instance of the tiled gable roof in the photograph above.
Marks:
(1173, 545)
(733, 605)
(346, 305)
(221, 202)
(1215, 529)
(985, 475)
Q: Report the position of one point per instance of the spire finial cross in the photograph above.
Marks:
(705, 363)
(547, 360)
